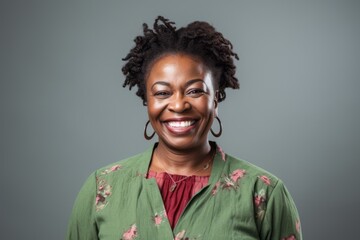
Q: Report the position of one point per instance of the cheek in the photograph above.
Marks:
(155, 108)
(206, 107)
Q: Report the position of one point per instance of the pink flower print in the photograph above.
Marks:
(130, 234)
(298, 226)
(258, 200)
(238, 173)
(260, 204)
(180, 235)
(228, 183)
(115, 168)
(99, 198)
(157, 219)
(216, 188)
(291, 237)
(223, 156)
(111, 169)
(265, 179)
(104, 191)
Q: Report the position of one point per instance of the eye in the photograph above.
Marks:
(195, 92)
(162, 94)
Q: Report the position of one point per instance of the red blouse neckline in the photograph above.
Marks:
(176, 201)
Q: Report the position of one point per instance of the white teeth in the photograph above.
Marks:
(181, 123)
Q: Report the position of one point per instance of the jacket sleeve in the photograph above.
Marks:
(82, 225)
(281, 220)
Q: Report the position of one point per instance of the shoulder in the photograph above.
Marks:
(251, 172)
(115, 166)
(132, 166)
(112, 179)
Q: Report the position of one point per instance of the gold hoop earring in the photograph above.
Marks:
(147, 137)
(220, 131)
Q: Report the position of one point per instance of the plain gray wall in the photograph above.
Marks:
(64, 112)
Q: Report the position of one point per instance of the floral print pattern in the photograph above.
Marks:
(159, 218)
(111, 169)
(103, 188)
(237, 174)
(291, 237)
(181, 236)
(130, 234)
(260, 204)
(103, 192)
(265, 179)
(215, 189)
(229, 182)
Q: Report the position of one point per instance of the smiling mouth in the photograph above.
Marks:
(180, 127)
(180, 124)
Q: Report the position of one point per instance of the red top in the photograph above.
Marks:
(176, 201)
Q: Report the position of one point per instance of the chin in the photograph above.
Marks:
(183, 143)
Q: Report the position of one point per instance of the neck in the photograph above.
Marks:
(181, 162)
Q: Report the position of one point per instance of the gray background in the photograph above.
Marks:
(64, 112)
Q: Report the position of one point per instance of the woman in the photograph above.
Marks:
(183, 187)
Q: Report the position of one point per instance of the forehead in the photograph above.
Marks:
(177, 66)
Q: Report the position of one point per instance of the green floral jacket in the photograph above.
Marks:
(241, 201)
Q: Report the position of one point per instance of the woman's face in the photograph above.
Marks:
(181, 101)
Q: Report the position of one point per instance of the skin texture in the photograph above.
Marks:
(181, 88)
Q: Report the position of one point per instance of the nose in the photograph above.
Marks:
(179, 104)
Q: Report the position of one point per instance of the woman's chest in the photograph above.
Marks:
(141, 215)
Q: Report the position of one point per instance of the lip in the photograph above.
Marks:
(180, 125)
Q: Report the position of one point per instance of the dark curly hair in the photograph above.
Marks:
(198, 39)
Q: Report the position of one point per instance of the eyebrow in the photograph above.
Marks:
(188, 83)
(160, 83)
